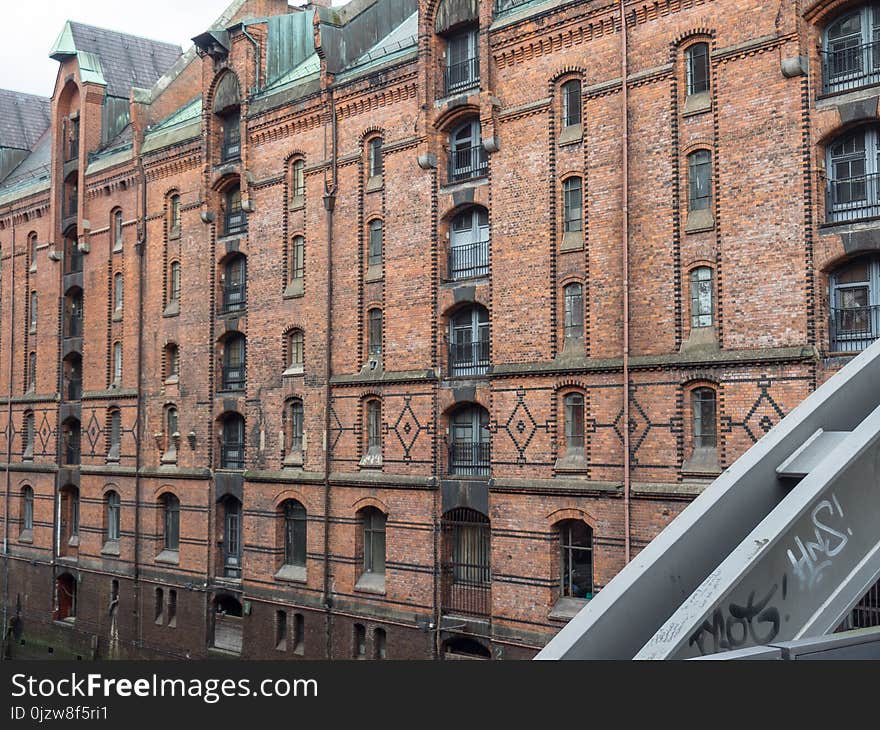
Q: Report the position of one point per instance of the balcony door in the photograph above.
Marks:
(469, 452)
(853, 166)
(469, 342)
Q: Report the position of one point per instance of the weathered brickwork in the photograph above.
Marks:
(428, 530)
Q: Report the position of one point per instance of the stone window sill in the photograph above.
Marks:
(26, 536)
(117, 315)
(292, 573)
(567, 607)
(574, 461)
(169, 557)
(374, 273)
(371, 460)
(375, 183)
(294, 459)
(697, 104)
(111, 547)
(172, 309)
(172, 380)
(571, 135)
(371, 583)
(699, 220)
(73, 541)
(293, 370)
(174, 233)
(298, 202)
(295, 288)
(32, 331)
(703, 463)
(117, 247)
(572, 241)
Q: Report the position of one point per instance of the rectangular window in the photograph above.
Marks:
(281, 630)
(375, 331)
(704, 418)
(231, 137)
(374, 425)
(697, 58)
(701, 297)
(700, 180)
(172, 607)
(375, 257)
(574, 311)
(374, 542)
(462, 61)
(574, 421)
(577, 559)
(159, 608)
(297, 264)
(360, 642)
(571, 103)
(299, 634)
(375, 150)
(299, 179)
(174, 290)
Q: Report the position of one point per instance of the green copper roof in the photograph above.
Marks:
(189, 111)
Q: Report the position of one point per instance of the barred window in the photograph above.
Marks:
(117, 228)
(117, 292)
(701, 297)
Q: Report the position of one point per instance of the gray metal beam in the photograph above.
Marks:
(625, 614)
(800, 570)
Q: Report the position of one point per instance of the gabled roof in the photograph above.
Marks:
(116, 59)
(23, 119)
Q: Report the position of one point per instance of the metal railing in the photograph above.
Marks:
(466, 569)
(233, 377)
(469, 260)
(232, 455)
(234, 297)
(866, 613)
(853, 198)
(503, 6)
(236, 222)
(462, 75)
(467, 163)
(851, 68)
(469, 358)
(853, 329)
(469, 459)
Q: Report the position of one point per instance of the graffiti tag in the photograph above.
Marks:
(816, 554)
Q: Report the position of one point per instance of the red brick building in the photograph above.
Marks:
(314, 339)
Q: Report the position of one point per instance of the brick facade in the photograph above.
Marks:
(300, 94)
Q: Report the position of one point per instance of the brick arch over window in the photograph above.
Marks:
(552, 519)
(365, 502)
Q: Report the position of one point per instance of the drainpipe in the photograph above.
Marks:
(329, 204)
(624, 70)
(11, 351)
(141, 248)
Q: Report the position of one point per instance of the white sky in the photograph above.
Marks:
(32, 26)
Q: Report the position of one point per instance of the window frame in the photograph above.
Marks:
(573, 309)
(573, 206)
(700, 317)
(113, 510)
(27, 509)
(171, 522)
(702, 439)
(574, 420)
(376, 242)
(695, 53)
(375, 325)
(468, 159)
(375, 159)
(572, 103)
(567, 548)
(295, 519)
(699, 176)
(374, 524)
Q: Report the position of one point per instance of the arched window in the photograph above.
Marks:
(373, 428)
(850, 48)
(295, 350)
(298, 182)
(467, 157)
(231, 508)
(27, 509)
(235, 284)
(232, 449)
(117, 292)
(372, 523)
(705, 428)
(295, 414)
(375, 166)
(294, 533)
(297, 257)
(112, 515)
(702, 310)
(853, 175)
(855, 304)
(115, 449)
(117, 229)
(32, 372)
(117, 363)
(697, 68)
(32, 249)
(571, 103)
(576, 545)
(469, 441)
(174, 283)
(573, 208)
(375, 250)
(462, 60)
(469, 244)
(574, 310)
(374, 331)
(234, 362)
(28, 436)
(33, 312)
(174, 214)
(469, 341)
(574, 421)
(172, 361)
(235, 220)
(171, 521)
(699, 180)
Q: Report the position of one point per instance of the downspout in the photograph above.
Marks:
(8, 449)
(329, 204)
(624, 70)
(141, 249)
